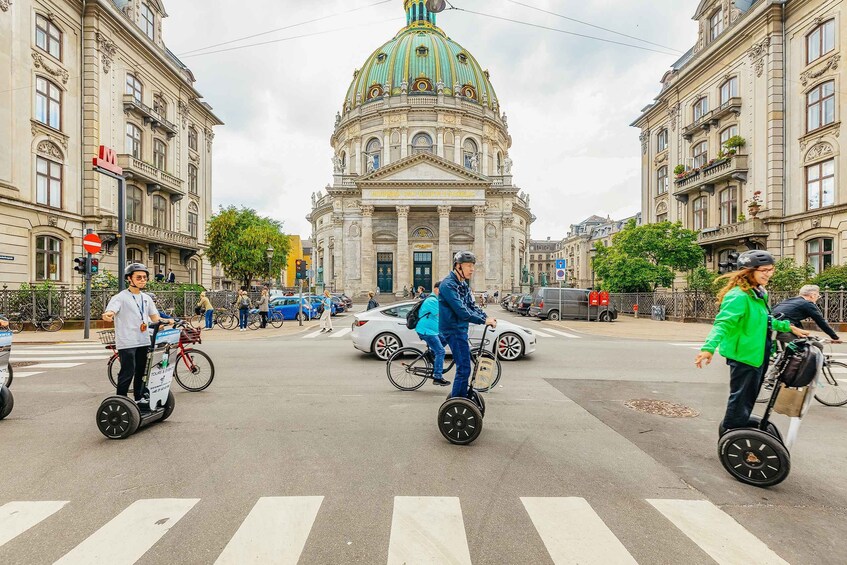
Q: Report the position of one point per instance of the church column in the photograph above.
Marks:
(402, 248)
(440, 147)
(443, 241)
(516, 261)
(479, 247)
(404, 142)
(337, 242)
(484, 165)
(507, 253)
(386, 147)
(355, 163)
(457, 149)
(367, 251)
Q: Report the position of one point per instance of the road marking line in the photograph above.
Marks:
(716, 532)
(91, 345)
(30, 352)
(689, 344)
(313, 335)
(130, 534)
(427, 529)
(541, 334)
(26, 374)
(341, 332)
(53, 365)
(563, 334)
(573, 533)
(275, 531)
(18, 517)
(17, 359)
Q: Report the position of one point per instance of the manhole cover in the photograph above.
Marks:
(23, 363)
(661, 408)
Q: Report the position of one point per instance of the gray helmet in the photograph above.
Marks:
(134, 267)
(464, 257)
(755, 258)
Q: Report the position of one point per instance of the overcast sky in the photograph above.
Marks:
(569, 100)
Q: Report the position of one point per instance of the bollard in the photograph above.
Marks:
(635, 309)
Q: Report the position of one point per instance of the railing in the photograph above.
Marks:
(689, 180)
(130, 102)
(161, 235)
(151, 173)
(422, 100)
(753, 226)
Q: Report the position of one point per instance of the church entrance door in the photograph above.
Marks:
(385, 272)
(423, 270)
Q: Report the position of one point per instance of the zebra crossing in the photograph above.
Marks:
(424, 529)
(37, 359)
(335, 333)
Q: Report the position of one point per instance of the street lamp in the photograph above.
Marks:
(269, 253)
(593, 252)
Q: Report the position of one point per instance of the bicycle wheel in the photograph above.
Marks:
(277, 320)
(9, 376)
(497, 370)
(227, 321)
(408, 368)
(197, 321)
(16, 325)
(113, 369)
(194, 370)
(832, 386)
(254, 321)
(51, 323)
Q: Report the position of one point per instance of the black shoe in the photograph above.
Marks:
(440, 382)
(329, 330)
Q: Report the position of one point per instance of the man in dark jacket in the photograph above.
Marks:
(456, 308)
(802, 307)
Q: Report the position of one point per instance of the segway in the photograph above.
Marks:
(7, 401)
(118, 417)
(460, 419)
(758, 455)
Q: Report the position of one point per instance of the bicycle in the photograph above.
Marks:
(221, 317)
(828, 391)
(254, 319)
(44, 320)
(408, 368)
(199, 369)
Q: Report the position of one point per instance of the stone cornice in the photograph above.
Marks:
(470, 177)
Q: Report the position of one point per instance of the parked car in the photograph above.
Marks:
(382, 331)
(505, 301)
(289, 307)
(523, 303)
(346, 300)
(512, 303)
(555, 303)
(340, 306)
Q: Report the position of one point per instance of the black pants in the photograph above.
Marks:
(744, 384)
(264, 316)
(133, 364)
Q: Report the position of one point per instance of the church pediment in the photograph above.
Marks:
(423, 168)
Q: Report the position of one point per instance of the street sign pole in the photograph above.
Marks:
(87, 307)
(300, 308)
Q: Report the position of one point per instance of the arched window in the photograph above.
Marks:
(701, 106)
(48, 37)
(160, 154)
(192, 138)
(820, 184)
(421, 143)
(193, 219)
(133, 86)
(729, 89)
(819, 253)
(48, 182)
(134, 203)
(133, 140)
(820, 106)
(662, 140)
(48, 258)
(373, 151)
(134, 255)
(700, 212)
(662, 180)
(820, 41)
(700, 153)
(729, 132)
(160, 212)
(470, 154)
(729, 206)
(160, 106)
(48, 103)
(192, 179)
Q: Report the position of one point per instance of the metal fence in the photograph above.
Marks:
(702, 306)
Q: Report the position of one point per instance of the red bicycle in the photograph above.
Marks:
(194, 369)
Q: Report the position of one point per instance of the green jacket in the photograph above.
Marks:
(742, 326)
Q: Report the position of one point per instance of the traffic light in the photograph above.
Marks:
(298, 269)
(80, 265)
(303, 269)
(95, 266)
(731, 263)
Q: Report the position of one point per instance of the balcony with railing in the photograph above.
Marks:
(732, 167)
(150, 116)
(705, 123)
(154, 178)
(752, 228)
(731, 106)
(148, 233)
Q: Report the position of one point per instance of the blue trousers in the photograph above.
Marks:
(209, 314)
(744, 383)
(436, 344)
(242, 317)
(462, 358)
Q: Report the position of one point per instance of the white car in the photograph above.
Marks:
(382, 331)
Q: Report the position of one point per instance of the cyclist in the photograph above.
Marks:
(797, 309)
(742, 331)
(132, 311)
(456, 308)
(427, 329)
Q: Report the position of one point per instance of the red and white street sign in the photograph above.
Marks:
(92, 243)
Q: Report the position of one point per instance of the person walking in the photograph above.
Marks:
(243, 303)
(742, 332)
(326, 315)
(208, 311)
(263, 307)
(428, 331)
(372, 303)
(457, 308)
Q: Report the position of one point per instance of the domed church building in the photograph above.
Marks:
(421, 171)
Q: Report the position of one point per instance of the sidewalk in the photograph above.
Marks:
(631, 328)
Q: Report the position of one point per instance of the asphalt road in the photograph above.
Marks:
(302, 449)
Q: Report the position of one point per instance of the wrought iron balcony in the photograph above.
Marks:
(731, 106)
(752, 228)
(150, 116)
(153, 178)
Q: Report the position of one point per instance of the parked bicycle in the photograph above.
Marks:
(42, 320)
(828, 391)
(193, 370)
(254, 319)
(224, 318)
(409, 368)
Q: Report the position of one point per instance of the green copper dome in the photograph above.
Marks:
(420, 59)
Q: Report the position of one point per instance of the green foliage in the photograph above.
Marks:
(45, 294)
(789, 276)
(102, 280)
(623, 273)
(734, 142)
(238, 239)
(702, 279)
(679, 169)
(833, 278)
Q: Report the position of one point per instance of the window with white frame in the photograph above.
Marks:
(134, 203)
(134, 255)
(160, 212)
(729, 206)
(727, 133)
(192, 138)
(148, 21)
(134, 87)
(701, 107)
(820, 106)
(160, 154)
(133, 140)
(819, 253)
(700, 206)
(662, 180)
(662, 140)
(729, 89)
(700, 154)
(715, 25)
(48, 182)
(820, 41)
(193, 219)
(192, 179)
(160, 262)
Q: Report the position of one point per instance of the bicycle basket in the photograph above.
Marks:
(107, 337)
(189, 335)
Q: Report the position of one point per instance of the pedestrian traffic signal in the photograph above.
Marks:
(95, 266)
(731, 263)
(80, 265)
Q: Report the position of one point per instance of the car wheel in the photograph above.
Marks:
(605, 316)
(509, 347)
(385, 345)
(553, 315)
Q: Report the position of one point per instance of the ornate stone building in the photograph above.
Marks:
(578, 247)
(541, 258)
(421, 170)
(90, 74)
(769, 72)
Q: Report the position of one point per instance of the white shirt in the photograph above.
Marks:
(128, 308)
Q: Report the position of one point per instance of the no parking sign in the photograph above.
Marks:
(561, 269)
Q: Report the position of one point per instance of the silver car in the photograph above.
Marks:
(382, 331)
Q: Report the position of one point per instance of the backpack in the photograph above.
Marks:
(800, 366)
(245, 302)
(414, 315)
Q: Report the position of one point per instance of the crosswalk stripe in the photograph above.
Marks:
(23, 374)
(312, 335)
(563, 334)
(573, 533)
(341, 332)
(131, 533)
(55, 346)
(16, 358)
(541, 334)
(18, 517)
(274, 532)
(427, 529)
(716, 532)
(53, 365)
(31, 353)
(689, 344)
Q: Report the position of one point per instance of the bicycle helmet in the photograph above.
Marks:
(755, 258)
(134, 267)
(463, 257)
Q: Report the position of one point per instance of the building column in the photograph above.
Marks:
(479, 246)
(516, 261)
(402, 248)
(404, 142)
(367, 251)
(457, 149)
(386, 148)
(337, 243)
(507, 252)
(440, 142)
(444, 263)
(483, 167)
(355, 159)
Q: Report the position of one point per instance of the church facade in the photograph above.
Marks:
(421, 170)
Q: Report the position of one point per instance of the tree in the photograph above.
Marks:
(833, 278)
(642, 258)
(789, 276)
(238, 239)
(702, 279)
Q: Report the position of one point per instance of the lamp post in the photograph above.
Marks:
(269, 253)
(593, 252)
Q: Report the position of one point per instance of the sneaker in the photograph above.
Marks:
(440, 382)
(329, 330)
(323, 330)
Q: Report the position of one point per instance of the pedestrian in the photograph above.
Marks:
(160, 276)
(420, 292)
(171, 276)
(372, 303)
(742, 332)
(243, 303)
(428, 331)
(205, 305)
(132, 311)
(800, 308)
(457, 308)
(405, 292)
(326, 315)
(263, 307)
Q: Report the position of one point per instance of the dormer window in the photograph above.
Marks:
(715, 25)
(422, 51)
(462, 58)
(148, 21)
(381, 58)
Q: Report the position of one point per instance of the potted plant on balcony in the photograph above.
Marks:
(679, 171)
(733, 144)
(754, 204)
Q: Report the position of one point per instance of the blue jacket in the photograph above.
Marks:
(428, 316)
(456, 307)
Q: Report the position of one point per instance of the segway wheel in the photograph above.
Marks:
(479, 400)
(7, 401)
(754, 457)
(169, 407)
(118, 417)
(754, 423)
(459, 421)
